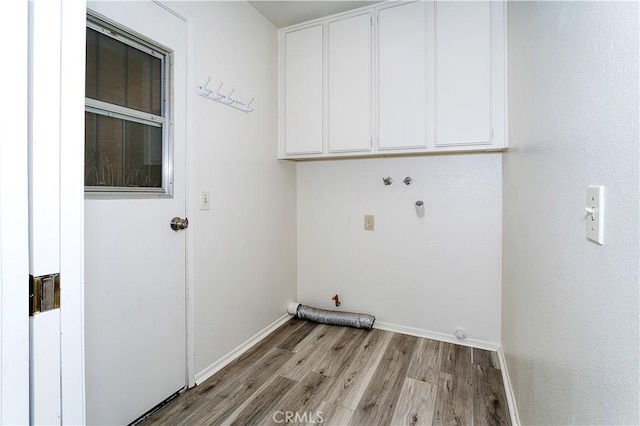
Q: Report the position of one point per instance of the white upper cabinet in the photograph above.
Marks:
(350, 84)
(402, 76)
(301, 121)
(463, 73)
(470, 79)
(421, 77)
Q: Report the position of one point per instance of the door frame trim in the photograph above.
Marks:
(72, 63)
(14, 214)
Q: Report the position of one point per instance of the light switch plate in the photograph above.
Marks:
(595, 213)
(204, 200)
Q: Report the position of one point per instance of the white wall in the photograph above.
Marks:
(570, 306)
(244, 247)
(432, 274)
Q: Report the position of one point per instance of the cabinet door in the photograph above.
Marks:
(303, 91)
(402, 76)
(463, 73)
(350, 84)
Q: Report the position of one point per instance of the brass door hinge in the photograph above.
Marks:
(44, 293)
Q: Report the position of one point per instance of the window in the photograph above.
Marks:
(126, 113)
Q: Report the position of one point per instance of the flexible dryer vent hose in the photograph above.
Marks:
(323, 316)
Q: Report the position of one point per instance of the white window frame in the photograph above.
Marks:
(131, 38)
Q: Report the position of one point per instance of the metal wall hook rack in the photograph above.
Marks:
(204, 91)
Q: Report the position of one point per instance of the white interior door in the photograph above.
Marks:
(134, 262)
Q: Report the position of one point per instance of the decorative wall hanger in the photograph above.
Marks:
(223, 99)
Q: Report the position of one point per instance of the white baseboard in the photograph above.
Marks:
(235, 353)
(479, 344)
(511, 400)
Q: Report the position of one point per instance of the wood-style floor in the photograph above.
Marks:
(305, 373)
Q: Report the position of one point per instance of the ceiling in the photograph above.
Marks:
(285, 13)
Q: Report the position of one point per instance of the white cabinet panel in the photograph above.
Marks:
(402, 76)
(423, 77)
(350, 84)
(463, 73)
(303, 91)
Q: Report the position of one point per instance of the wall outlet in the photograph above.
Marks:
(204, 200)
(369, 222)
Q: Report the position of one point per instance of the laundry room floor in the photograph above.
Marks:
(307, 373)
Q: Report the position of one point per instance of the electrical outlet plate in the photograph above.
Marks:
(595, 213)
(204, 200)
(369, 222)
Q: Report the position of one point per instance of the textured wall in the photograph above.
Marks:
(244, 247)
(570, 306)
(433, 274)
